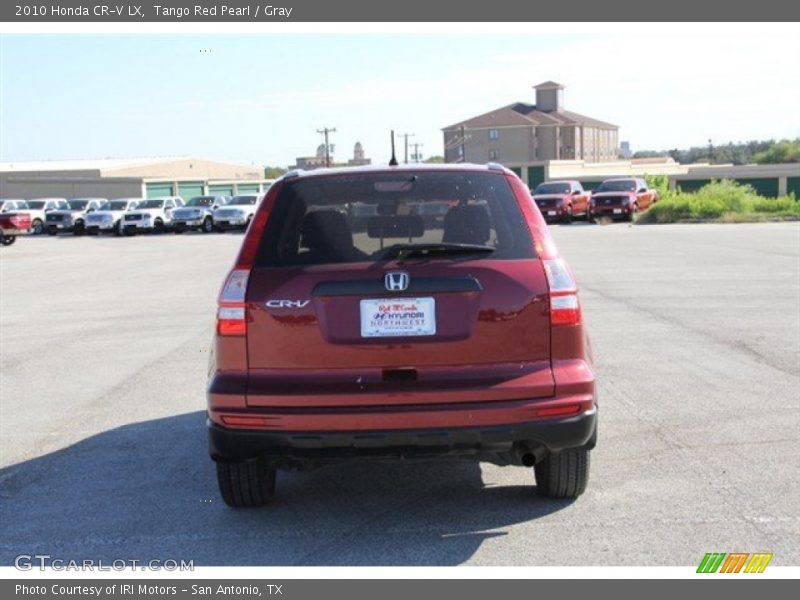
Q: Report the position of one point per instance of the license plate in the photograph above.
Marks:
(617, 211)
(395, 317)
(551, 213)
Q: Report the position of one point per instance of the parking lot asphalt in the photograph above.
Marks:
(696, 331)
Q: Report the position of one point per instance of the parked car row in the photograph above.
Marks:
(619, 198)
(126, 216)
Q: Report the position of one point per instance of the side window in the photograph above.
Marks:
(494, 134)
(494, 153)
(169, 204)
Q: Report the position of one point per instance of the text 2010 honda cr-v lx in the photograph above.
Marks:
(402, 337)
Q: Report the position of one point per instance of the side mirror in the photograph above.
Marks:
(641, 190)
(576, 193)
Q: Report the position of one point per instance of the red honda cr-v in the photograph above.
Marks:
(400, 337)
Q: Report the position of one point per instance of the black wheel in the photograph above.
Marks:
(563, 474)
(7, 240)
(38, 227)
(117, 228)
(158, 226)
(633, 212)
(78, 228)
(246, 484)
(208, 225)
(52, 230)
(92, 232)
(179, 228)
(129, 231)
(567, 218)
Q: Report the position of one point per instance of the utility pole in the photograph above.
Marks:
(325, 131)
(710, 151)
(405, 145)
(416, 155)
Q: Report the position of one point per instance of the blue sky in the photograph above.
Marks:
(260, 98)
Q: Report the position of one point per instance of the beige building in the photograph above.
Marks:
(522, 133)
(128, 177)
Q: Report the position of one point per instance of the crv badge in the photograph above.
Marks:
(396, 281)
(286, 303)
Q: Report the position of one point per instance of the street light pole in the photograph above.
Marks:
(415, 157)
(405, 145)
(325, 131)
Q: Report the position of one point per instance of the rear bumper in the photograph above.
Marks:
(13, 231)
(502, 443)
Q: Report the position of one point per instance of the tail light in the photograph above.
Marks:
(565, 309)
(231, 312)
(231, 309)
(20, 221)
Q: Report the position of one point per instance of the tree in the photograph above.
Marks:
(785, 151)
(737, 153)
(273, 172)
(434, 159)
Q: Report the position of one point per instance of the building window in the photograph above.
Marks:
(461, 151)
(494, 134)
(494, 154)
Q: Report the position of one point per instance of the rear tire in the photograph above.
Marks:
(7, 240)
(78, 228)
(246, 484)
(38, 227)
(567, 218)
(563, 474)
(158, 226)
(52, 231)
(208, 225)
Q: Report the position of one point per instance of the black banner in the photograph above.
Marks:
(252, 11)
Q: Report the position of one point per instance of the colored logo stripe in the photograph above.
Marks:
(734, 562)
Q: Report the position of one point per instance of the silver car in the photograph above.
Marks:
(197, 214)
(237, 213)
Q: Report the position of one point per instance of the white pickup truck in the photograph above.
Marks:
(151, 215)
(108, 218)
(38, 209)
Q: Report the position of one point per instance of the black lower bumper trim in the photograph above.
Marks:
(489, 441)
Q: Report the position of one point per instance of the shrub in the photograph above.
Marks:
(719, 200)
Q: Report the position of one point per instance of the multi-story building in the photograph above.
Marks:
(520, 134)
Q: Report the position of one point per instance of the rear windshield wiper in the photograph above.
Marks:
(404, 252)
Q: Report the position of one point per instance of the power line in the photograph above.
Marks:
(325, 131)
(416, 156)
(405, 137)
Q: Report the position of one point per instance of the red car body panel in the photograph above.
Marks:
(15, 223)
(496, 358)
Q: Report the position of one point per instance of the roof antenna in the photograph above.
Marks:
(393, 161)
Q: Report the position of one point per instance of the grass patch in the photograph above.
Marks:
(723, 202)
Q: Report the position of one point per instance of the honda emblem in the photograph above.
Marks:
(396, 281)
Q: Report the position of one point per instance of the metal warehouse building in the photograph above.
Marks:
(128, 177)
(768, 180)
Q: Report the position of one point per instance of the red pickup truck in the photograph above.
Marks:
(12, 225)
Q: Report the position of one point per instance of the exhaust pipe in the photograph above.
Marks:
(525, 456)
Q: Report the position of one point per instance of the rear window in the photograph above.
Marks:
(619, 185)
(356, 218)
(552, 188)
